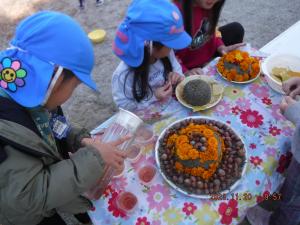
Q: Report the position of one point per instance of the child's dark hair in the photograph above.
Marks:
(140, 86)
(187, 8)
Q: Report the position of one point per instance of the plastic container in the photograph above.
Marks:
(125, 123)
(147, 174)
(97, 36)
(144, 136)
(133, 153)
(127, 201)
(119, 173)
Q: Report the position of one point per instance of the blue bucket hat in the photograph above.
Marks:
(42, 42)
(149, 20)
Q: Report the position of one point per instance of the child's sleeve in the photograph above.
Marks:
(75, 136)
(175, 64)
(122, 89)
(292, 113)
(44, 188)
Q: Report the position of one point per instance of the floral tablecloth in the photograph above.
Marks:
(253, 111)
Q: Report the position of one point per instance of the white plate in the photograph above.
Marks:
(215, 99)
(241, 82)
(173, 185)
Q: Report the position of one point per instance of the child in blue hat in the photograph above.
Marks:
(144, 42)
(49, 57)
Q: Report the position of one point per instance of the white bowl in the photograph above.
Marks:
(279, 60)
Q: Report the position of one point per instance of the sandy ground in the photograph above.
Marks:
(263, 20)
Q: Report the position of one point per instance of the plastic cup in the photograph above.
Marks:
(133, 153)
(119, 173)
(127, 201)
(147, 173)
(145, 135)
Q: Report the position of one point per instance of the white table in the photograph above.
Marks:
(286, 42)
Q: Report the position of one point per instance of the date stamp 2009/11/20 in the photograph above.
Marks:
(246, 196)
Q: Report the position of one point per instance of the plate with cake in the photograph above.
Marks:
(199, 92)
(200, 156)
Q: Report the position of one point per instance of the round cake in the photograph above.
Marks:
(201, 156)
(197, 92)
(238, 66)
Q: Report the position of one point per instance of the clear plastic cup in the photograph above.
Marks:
(119, 173)
(144, 135)
(133, 153)
(127, 201)
(147, 174)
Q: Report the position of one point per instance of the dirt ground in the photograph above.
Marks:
(262, 19)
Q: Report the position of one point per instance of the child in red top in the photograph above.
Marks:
(200, 20)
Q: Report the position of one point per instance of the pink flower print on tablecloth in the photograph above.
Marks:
(189, 208)
(119, 183)
(156, 222)
(223, 108)
(274, 131)
(271, 152)
(267, 101)
(142, 221)
(236, 110)
(256, 161)
(252, 146)
(109, 190)
(276, 114)
(11, 74)
(243, 103)
(259, 91)
(158, 197)
(228, 211)
(112, 206)
(251, 118)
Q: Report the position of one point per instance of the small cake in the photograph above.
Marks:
(238, 66)
(197, 92)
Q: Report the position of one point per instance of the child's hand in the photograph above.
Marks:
(175, 78)
(292, 86)
(225, 49)
(195, 71)
(286, 102)
(109, 152)
(165, 92)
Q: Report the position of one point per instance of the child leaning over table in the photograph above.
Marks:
(288, 212)
(37, 74)
(149, 71)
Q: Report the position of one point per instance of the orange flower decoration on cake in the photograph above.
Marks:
(184, 150)
(238, 66)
